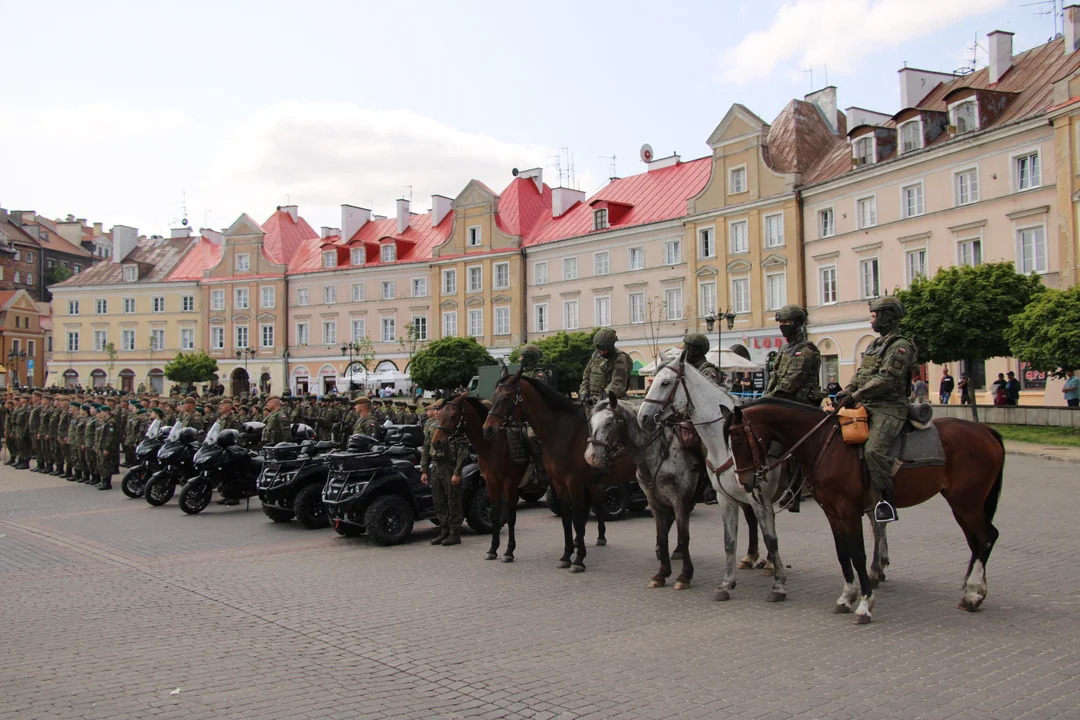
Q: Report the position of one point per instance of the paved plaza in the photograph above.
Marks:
(109, 606)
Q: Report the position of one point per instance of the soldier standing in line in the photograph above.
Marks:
(365, 423)
(75, 430)
(9, 430)
(277, 426)
(89, 446)
(34, 426)
(227, 420)
(108, 446)
(442, 469)
(59, 434)
(45, 459)
(189, 416)
(22, 433)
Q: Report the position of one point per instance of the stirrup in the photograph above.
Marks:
(885, 513)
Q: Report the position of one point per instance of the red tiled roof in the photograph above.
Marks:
(654, 196)
(415, 245)
(284, 236)
(203, 255)
(5, 297)
(521, 205)
(798, 137)
(55, 242)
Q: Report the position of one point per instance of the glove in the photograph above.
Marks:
(844, 399)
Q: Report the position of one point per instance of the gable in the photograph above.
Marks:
(475, 193)
(244, 225)
(738, 122)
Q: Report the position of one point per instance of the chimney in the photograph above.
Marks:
(293, 211)
(324, 232)
(1072, 28)
(212, 235)
(125, 239)
(352, 219)
(180, 232)
(440, 208)
(825, 101)
(534, 174)
(1001, 53)
(916, 84)
(562, 199)
(664, 162)
(402, 215)
(98, 230)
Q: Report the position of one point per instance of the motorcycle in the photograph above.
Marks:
(176, 457)
(222, 464)
(146, 453)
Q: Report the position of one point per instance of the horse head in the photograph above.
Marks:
(607, 424)
(504, 402)
(749, 444)
(450, 418)
(664, 398)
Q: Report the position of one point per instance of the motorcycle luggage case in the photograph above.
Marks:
(359, 461)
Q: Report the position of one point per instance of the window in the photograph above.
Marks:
(268, 298)
(329, 294)
(637, 308)
(159, 304)
(476, 322)
(474, 237)
(419, 324)
(826, 223)
(601, 263)
(241, 336)
(51, 263)
(501, 280)
(673, 303)
(73, 307)
(476, 278)
(100, 340)
(737, 180)
(157, 338)
(967, 186)
(217, 300)
(389, 290)
(1032, 253)
(603, 311)
(449, 282)
(29, 259)
(329, 332)
(706, 298)
(969, 251)
(302, 296)
(740, 295)
(570, 314)
(187, 338)
(266, 336)
(187, 303)
(18, 276)
(243, 299)
(774, 231)
(388, 253)
(910, 136)
(329, 259)
(358, 292)
(540, 313)
(18, 322)
(127, 340)
(419, 287)
(864, 151)
(916, 265)
(869, 280)
(739, 241)
(775, 291)
(359, 328)
(502, 320)
(1027, 172)
(303, 336)
(76, 269)
(18, 255)
(707, 242)
(389, 329)
(29, 278)
(540, 274)
(600, 219)
(356, 256)
(827, 281)
(636, 258)
(131, 273)
(912, 196)
(449, 323)
(243, 263)
(73, 341)
(964, 117)
(217, 337)
(569, 268)
(866, 210)
(672, 252)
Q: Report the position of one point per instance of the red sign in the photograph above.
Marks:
(767, 343)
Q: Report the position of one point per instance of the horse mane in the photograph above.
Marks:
(553, 397)
(768, 401)
(478, 405)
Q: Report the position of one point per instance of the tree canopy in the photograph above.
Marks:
(1047, 333)
(569, 351)
(448, 363)
(192, 367)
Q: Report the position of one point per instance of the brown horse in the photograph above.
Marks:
(501, 474)
(970, 481)
(562, 428)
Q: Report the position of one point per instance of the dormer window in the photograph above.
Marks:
(600, 219)
(964, 117)
(329, 259)
(910, 136)
(131, 273)
(864, 151)
(243, 262)
(475, 237)
(389, 253)
(357, 256)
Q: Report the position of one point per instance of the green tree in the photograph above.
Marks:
(112, 355)
(961, 313)
(448, 363)
(192, 367)
(570, 352)
(57, 274)
(1047, 333)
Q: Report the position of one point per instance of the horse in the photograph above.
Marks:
(665, 470)
(562, 428)
(502, 475)
(970, 481)
(679, 391)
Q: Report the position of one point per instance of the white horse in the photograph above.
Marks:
(680, 391)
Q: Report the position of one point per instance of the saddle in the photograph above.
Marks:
(688, 436)
(919, 444)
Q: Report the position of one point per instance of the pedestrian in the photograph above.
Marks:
(920, 391)
(965, 395)
(997, 390)
(833, 388)
(1012, 389)
(945, 389)
(1071, 389)
(441, 468)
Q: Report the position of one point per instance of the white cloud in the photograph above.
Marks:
(320, 155)
(839, 33)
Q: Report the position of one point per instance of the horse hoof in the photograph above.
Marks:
(653, 584)
(774, 596)
(862, 619)
(760, 564)
(577, 568)
(841, 609)
(563, 564)
(969, 605)
(508, 558)
(745, 565)
(601, 542)
(680, 585)
(490, 556)
(720, 595)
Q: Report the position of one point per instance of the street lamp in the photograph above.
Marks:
(13, 360)
(711, 319)
(352, 349)
(246, 353)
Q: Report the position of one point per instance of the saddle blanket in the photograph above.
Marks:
(918, 448)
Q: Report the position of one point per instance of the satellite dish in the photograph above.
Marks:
(184, 222)
(514, 172)
(646, 153)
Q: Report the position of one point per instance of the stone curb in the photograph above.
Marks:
(1044, 456)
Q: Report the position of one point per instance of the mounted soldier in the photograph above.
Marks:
(697, 347)
(608, 370)
(524, 447)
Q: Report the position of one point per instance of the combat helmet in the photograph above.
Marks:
(889, 313)
(796, 316)
(696, 344)
(605, 339)
(530, 353)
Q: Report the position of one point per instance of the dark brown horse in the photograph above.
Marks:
(970, 481)
(562, 428)
(502, 475)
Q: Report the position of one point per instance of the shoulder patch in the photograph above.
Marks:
(901, 349)
(798, 354)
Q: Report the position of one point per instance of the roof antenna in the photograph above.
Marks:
(826, 76)
(408, 190)
(811, 71)
(610, 165)
(183, 219)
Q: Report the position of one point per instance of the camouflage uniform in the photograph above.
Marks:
(34, 427)
(605, 374)
(277, 429)
(22, 436)
(63, 457)
(441, 466)
(74, 437)
(796, 372)
(697, 351)
(106, 448)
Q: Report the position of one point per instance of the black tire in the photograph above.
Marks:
(278, 515)
(134, 482)
(478, 513)
(533, 497)
(159, 490)
(309, 507)
(616, 501)
(388, 520)
(195, 496)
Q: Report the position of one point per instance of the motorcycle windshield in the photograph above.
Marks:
(212, 436)
(152, 431)
(174, 435)
(207, 456)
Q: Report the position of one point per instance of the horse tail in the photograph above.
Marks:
(991, 502)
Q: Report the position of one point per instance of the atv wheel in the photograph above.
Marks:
(134, 482)
(309, 507)
(388, 520)
(195, 496)
(478, 514)
(159, 490)
(616, 502)
(277, 514)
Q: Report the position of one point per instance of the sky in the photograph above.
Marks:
(139, 113)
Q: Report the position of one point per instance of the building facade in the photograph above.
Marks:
(23, 338)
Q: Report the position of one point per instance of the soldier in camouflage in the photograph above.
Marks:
(882, 385)
(22, 433)
(608, 370)
(58, 433)
(277, 425)
(34, 426)
(442, 469)
(365, 421)
(107, 447)
(75, 430)
(697, 349)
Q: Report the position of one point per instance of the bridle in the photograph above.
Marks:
(513, 414)
(617, 448)
(759, 452)
(456, 429)
(680, 416)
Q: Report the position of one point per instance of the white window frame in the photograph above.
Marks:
(101, 339)
(826, 222)
(246, 294)
(329, 295)
(329, 332)
(236, 336)
(420, 327)
(637, 314)
(920, 207)
(101, 306)
(474, 276)
(734, 247)
(449, 323)
(630, 252)
(187, 303)
(496, 283)
(388, 322)
(157, 304)
(605, 266)
(599, 302)
(673, 303)
(217, 337)
(187, 345)
(571, 314)
(569, 268)
(264, 341)
(73, 341)
(600, 219)
(357, 256)
(1039, 227)
(388, 252)
(541, 319)
(303, 297)
(131, 273)
(217, 300)
(909, 253)
(474, 236)
(771, 304)
(475, 320)
(419, 287)
(540, 273)
(127, 339)
(502, 320)
(673, 252)
(974, 241)
(73, 307)
(769, 240)
(828, 279)
(1035, 180)
(303, 334)
(358, 292)
(267, 296)
(917, 124)
(358, 327)
(128, 306)
(706, 244)
(973, 189)
(865, 292)
(740, 301)
(243, 262)
(329, 259)
(870, 139)
(872, 199)
(449, 281)
(157, 338)
(734, 189)
(954, 107)
(388, 290)
(707, 299)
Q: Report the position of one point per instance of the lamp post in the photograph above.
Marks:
(351, 349)
(13, 360)
(711, 320)
(246, 353)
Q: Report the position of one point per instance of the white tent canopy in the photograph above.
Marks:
(725, 359)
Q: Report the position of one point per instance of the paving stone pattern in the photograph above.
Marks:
(107, 606)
